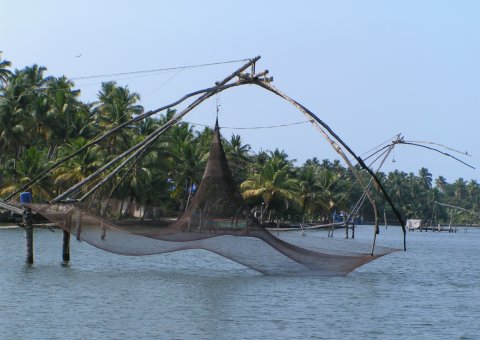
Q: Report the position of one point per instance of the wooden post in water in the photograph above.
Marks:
(353, 230)
(28, 225)
(66, 247)
(25, 198)
(66, 239)
(346, 229)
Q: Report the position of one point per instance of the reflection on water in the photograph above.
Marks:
(432, 291)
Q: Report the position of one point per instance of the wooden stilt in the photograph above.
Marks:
(66, 246)
(28, 225)
(346, 229)
(353, 230)
(66, 238)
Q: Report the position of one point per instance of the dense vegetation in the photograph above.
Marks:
(42, 119)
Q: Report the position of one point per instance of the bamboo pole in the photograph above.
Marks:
(137, 150)
(359, 160)
(320, 126)
(218, 86)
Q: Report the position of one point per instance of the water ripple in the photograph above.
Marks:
(431, 291)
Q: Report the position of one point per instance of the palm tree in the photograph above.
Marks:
(187, 159)
(83, 123)
(13, 130)
(238, 157)
(331, 190)
(326, 163)
(203, 139)
(19, 101)
(309, 190)
(31, 163)
(4, 72)
(273, 182)
(460, 188)
(146, 126)
(312, 162)
(441, 183)
(78, 167)
(56, 113)
(116, 105)
(425, 178)
(396, 181)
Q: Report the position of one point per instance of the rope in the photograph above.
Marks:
(436, 150)
(159, 69)
(443, 146)
(252, 127)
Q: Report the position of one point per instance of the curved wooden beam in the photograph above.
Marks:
(310, 114)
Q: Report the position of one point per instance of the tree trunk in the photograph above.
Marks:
(263, 211)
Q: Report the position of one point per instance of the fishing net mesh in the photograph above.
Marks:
(216, 220)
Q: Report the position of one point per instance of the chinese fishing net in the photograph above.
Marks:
(216, 220)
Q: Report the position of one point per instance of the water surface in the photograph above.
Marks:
(430, 291)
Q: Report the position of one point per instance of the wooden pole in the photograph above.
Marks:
(219, 86)
(353, 230)
(66, 239)
(337, 149)
(28, 225)
(150, 139)
(320, 125)
(66, 246)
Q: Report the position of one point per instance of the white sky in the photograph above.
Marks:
(369, 69)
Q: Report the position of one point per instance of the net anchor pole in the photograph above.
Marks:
(66, 239)
(28, 225)
(66, 247)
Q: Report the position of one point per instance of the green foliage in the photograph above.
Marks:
(42, 120)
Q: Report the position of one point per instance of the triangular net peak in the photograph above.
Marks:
(217, 204)
(217, 219)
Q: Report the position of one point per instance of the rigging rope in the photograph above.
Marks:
(159, 69)
(443, 146)
(252, 127)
